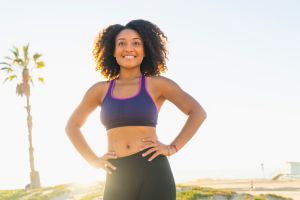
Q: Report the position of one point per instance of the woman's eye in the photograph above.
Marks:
(137, 43)
(121, 44)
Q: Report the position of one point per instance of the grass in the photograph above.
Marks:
(184, 192)
(193, 193)
(12, 194)
(46, 193)
(196, 193)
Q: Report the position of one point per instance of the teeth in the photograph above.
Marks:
(129, 57)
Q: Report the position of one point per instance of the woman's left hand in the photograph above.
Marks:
(157, 147)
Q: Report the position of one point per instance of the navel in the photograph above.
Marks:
(128, 146)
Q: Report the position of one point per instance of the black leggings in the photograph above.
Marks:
(138, 179)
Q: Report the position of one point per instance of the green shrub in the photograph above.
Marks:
(193, 192)
(12, 194)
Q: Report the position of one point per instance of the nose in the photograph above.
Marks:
(128, 47)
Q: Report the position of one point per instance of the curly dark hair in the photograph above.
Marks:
(155, 48)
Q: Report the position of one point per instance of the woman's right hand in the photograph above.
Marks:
(102, 162)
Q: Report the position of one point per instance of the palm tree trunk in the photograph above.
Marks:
(34, 175)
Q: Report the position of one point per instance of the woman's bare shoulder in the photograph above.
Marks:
(98, 90)
(158, 79)
(98, 87)
(161, 81)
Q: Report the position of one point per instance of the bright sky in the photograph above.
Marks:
(239, 59)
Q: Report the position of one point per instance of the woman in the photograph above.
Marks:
(132, 57)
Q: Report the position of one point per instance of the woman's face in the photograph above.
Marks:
(129, 49)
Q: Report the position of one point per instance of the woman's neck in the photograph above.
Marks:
(129, 75)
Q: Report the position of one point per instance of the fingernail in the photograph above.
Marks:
(143, 155)
(114, 168)
(149, 160)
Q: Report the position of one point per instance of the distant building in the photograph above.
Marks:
(294, 168)
(291, 172)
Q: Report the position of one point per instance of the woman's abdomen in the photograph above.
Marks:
(127, 140)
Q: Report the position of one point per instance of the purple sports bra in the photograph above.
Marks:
(137, 110)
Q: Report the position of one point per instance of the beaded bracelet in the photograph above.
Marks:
(169, 146)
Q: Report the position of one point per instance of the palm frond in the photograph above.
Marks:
(15, 51)
(41, 79)
(5, 63)
(8, 58)
(25, 52)
(36, 57)
(8, 69)
(19, 61)
(40, 64)
(10, 78)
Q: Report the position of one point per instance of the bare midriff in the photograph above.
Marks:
(127, 140)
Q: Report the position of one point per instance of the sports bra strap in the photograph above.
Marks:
(111, 83)
(143, 83)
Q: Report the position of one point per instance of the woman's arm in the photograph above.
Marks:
(167, 89)
(188, 105)
(88, 104)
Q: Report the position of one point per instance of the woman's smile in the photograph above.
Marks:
(129, 57)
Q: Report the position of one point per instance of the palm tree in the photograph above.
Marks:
(18, 67)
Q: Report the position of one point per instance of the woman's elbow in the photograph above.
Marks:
(201, 112)
(70, 127)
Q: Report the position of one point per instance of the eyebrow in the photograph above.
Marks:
(132, 38)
